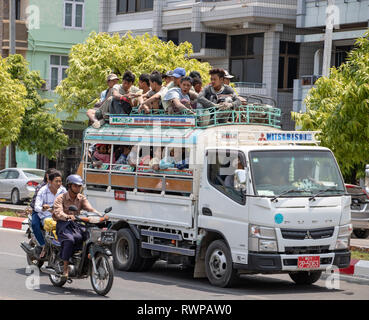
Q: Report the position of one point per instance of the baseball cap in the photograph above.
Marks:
(112, 76)
(179, 72)
(169, 73)
(227, 75)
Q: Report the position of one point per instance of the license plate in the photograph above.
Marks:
(108, 236)
(308, 262)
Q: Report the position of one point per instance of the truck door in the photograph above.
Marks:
(222, 204)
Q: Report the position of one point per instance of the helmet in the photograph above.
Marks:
(74, 179)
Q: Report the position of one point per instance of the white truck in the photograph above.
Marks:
(242, 197)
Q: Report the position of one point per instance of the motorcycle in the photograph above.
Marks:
(94, 260)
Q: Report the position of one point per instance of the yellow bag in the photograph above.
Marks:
(49, 224)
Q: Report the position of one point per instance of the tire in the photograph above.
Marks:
(305, 277)
(57, 281)
(103, 282)
(30, 260)
(361, 233)
(218, 265)
(126, 251)
(146, 264)
(15, 198)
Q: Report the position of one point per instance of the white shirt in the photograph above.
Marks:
(45, 196)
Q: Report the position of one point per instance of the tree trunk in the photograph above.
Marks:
(12, 156)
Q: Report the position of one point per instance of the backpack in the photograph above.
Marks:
(120, 106)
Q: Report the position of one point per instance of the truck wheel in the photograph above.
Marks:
(218, 265)
(125, 251)
(305, 277)
(361, 233)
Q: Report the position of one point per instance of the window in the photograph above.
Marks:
(288, 64)
(247, 57)
(198, 39)
(18, 10)
(341, 55)
(13, 175)
(58, 67)
(222, 165)
(73, 13)
(131, 6)
(3, 174)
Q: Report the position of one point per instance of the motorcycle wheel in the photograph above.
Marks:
(103, 281)
(57, 281)
(31, 260)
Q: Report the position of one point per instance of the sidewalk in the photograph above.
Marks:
(13, 223)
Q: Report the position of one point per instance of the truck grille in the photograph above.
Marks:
(307, 250)
(307, 234)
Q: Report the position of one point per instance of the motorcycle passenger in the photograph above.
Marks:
(70, 234)
(46, 196)
(36, 221)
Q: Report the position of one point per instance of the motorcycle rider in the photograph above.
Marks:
(45, 198)
(70, 234)
(36, 221)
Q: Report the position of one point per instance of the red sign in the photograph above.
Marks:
(120, 195)
(308, 262)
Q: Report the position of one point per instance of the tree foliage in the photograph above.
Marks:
(92, 61)
(12, 109)
(40, 131)
(338, 106)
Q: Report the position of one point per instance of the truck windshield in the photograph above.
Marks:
(300, 172)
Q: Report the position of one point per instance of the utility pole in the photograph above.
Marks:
(12, 36)
(329, 23)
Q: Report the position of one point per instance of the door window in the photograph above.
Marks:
(13, 175)
(222, 165)
(3, 174)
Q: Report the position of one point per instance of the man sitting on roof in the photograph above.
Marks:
(178, 99)
(102, 107)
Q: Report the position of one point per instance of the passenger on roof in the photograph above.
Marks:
(218, 95)
(96, 115)
(167, 78)
(155, 96)
(178, 100)
(227, 81)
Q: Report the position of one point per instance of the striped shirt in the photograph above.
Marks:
(45, 196)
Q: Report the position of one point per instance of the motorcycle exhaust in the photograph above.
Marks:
(49, 271)
(27, 248)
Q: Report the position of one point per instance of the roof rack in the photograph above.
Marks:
(260, 114)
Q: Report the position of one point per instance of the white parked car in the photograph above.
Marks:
(18, 185)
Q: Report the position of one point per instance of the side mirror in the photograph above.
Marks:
(240, 176)
(73, 208)
(107, 210)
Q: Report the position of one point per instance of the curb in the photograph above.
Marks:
(14, 223)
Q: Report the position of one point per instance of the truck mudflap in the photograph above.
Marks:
(270, 263)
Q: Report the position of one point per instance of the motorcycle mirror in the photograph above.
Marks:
(107, 210)
(73, 208)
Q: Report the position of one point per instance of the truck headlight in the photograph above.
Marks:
(267, 245)
(342, 243)
(345, 231)
(262, 232)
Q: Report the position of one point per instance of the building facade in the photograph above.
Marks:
(21, 44)
(54, 27)
(350, 20)
(253, 39)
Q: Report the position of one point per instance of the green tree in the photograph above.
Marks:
(12, 109)
(92, 61)
(338, 106)
(40, 131)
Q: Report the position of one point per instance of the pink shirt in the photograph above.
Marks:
(105, 158)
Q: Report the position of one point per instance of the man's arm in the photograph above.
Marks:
(201, 98)
(59, 213)
(180, 106)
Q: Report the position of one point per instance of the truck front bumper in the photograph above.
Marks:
(270, 263)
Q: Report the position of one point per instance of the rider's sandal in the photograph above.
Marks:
(43, 252)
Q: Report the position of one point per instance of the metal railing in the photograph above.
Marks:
(261, 114)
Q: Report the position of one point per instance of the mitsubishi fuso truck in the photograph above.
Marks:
(225, 195)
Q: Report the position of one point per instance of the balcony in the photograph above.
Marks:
(301, 89)
(21, 36)
(227, 15)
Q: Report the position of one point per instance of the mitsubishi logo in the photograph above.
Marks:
(308, 235)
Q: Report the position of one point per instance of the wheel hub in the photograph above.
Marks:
(218, 263)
